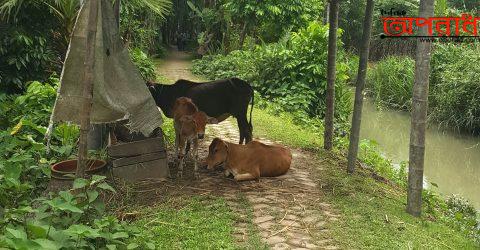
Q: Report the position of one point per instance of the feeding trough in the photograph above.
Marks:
(65, 170)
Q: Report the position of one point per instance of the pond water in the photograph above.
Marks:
(451, 160)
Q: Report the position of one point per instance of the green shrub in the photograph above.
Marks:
(455, 92)
(454, 98)
(462, 214)
(67, 220)
(292, 72)
(23, 57)
(64, 220)
(145, 64)
(390, 82)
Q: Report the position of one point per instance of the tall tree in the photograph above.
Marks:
(331, 68)
(361, 75)
(419, 115)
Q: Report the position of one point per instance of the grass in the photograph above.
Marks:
(373, 212)
(191, 222)
(282, 127)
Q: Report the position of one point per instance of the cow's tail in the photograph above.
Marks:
(251, 109)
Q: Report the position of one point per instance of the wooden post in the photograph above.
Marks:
(331, 68)
(116, 10)
(419, 115)
(87, 88)
(361, 75)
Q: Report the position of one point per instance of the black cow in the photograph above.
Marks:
(219, 99)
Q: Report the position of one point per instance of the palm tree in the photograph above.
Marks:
(331, 68)
(66, 10)
(362, 73)
(419, 116)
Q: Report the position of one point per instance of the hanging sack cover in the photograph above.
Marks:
(119, 91)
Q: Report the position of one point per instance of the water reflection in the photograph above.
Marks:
(451, 160)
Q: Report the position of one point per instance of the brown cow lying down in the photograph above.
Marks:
(189, 125)
(250, 161)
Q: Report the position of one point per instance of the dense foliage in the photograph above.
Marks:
(29, 220)
(140, 23)
(70, 219)
(227, 25)
(144, 64)
(455, 91)
(34, 36)
(454, 85)
(390, 82)
(33, 40)
(292, 72)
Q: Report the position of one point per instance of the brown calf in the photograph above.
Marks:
(250, 161)
(189, 125)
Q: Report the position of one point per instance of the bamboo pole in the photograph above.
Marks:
(419, 115)
(361, 75)
(331, 68)
(88, 65)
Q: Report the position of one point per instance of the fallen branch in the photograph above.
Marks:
(281, 230)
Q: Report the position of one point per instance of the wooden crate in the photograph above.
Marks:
(139, 160)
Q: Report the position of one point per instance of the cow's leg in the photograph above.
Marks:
(181, 155)
(195, 157)
(243, 128)
(177, 142)
(245, 177)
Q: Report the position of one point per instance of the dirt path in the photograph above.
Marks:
(288, 211)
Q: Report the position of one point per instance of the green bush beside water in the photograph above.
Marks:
(454, 100)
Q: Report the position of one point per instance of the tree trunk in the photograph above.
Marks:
(243, 34)
(419, 116)
(331, 68)
(326, 13)
(361, 75)
(87, 88)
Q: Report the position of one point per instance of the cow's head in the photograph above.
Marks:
(196, 123)
(217, 153)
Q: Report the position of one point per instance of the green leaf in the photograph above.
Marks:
(80, 183)
(82, 230)
(17, 234)
(69, 207)
(67, 196)
(105, 186)
(132, 246)
(111, 247)
(151, 246)
(92, 195)
(36, 230)
(47, 244)
(97, 179)
(17, 127)
(119, 235)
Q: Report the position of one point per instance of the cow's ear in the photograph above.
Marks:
(212, 120)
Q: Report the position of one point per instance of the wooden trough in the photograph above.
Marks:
(139, 160)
